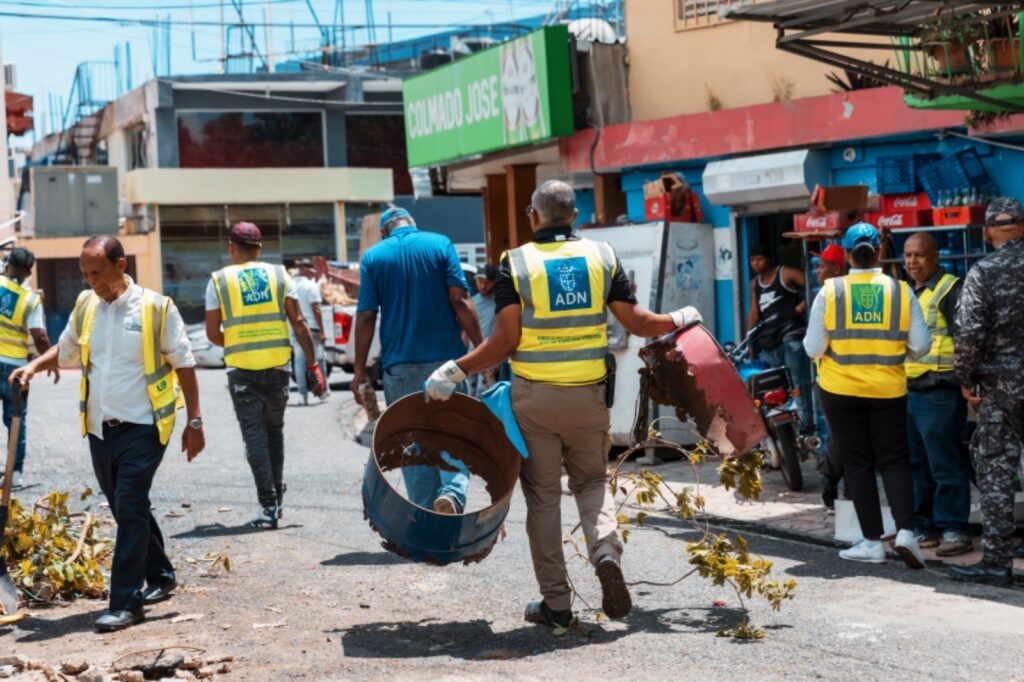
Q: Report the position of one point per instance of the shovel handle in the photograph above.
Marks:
(17, 397)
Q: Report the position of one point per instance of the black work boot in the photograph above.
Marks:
(267, 519)
(540, 613)
(984, 572)
(615, 599)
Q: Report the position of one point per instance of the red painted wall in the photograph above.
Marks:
(831, 118)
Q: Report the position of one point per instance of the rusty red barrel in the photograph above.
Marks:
(465, 429)
(692, 373)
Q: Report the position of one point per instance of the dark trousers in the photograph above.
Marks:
(871, 435)
(8, 412)
(260, 397)
(942, 488)
(125, 461)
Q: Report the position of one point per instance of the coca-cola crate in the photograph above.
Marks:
(656, 207)
(959, 215)
(914, 201)
(898, 220)
(830, 221)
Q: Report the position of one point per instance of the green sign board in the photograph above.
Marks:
(511, 94)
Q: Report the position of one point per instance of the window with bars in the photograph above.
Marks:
(700, 13)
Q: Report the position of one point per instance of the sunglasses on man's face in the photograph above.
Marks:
(1002, 222)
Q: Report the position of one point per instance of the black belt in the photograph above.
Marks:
(111, 423)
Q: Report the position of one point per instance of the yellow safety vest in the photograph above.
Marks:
(161, 379)
(16, 304)
(564, 288)
(867, 317)
(252, 311)
(940, 355)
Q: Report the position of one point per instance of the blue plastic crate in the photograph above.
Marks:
(973, 168)
(944, 175)
(895, 174)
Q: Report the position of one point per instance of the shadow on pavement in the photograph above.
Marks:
(42, 629)
(364, 559)
(214, 530)
(476, 640)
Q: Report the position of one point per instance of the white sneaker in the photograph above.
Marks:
(906, 546)
(865, 551)
(16, 480)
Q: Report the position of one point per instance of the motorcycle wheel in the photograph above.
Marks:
(785, 438)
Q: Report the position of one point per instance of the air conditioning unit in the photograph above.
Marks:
(10, 75)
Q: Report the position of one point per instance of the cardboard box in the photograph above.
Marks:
(899, 220)
(890, 203)
(830, 221)
(839, 198)
(959, 215)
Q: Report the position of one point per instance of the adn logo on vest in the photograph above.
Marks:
(255, 286)
(8, 302)
(568, 283)
(867, 303)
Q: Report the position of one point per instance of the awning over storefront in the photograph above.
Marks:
(765, 178)
(838, 32)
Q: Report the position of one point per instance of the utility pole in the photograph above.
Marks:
(269, 37)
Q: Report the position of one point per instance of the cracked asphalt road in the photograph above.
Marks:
(343, 608)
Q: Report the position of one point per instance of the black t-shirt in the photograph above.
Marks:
(505, 293)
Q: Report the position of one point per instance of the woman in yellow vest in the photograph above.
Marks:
(862, 328)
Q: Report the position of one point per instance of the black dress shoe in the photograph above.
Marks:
(985, 573)
(539, 612)
(158, 593)
(119, 620)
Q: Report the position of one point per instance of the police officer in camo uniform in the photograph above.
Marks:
(989, 361)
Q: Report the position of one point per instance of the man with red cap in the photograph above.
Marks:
(831, 263)
(249, 305)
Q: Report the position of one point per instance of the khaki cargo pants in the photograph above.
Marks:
(564, 425)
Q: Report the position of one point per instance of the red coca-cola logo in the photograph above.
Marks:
(908, 202)
(814, 221)
(894, 220)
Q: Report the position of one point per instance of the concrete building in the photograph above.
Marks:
(305, 156)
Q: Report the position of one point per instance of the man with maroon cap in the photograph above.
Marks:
(249, 305)
(831, 263)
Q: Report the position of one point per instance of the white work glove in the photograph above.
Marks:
(441, 384)
(685, 317)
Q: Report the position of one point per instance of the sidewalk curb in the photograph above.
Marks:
(772, 531)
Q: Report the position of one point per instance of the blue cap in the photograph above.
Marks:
(392, 213)
(860, 233)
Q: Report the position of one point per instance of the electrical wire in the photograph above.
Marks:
(178, 22)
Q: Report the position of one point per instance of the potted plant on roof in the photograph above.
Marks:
(1003, 43)
(949, 44)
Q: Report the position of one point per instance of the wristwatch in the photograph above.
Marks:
(196, 423)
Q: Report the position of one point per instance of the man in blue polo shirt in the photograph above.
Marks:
(415, 281)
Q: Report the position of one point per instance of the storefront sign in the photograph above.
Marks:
(511, 94)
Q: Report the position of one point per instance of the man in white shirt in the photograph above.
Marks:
(309, 303)
(129, 390)
(21, 323)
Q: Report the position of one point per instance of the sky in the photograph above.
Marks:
(46, 51)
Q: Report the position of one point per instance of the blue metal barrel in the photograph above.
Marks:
(465, 429)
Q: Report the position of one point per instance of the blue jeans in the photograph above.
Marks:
(942, 489)
(299, 362)
(424, 484)
(7, 397)
(791, 355)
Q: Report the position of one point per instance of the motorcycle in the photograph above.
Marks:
(775, 396)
